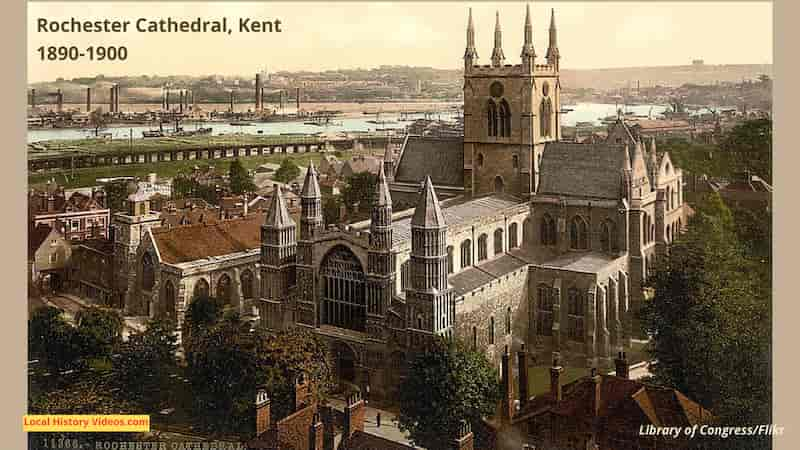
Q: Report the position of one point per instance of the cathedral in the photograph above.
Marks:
(515, 237)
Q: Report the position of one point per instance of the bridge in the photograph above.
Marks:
(78, 158)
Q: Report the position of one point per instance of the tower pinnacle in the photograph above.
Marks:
(428, 213)
(277, 215)
(552, 50)
(527, 46)
(470, 54)
(497, 53)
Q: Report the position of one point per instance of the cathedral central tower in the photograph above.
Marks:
(510, 112)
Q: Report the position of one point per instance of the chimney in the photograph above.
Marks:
(315, 432)
(555, 378)
(262, 412)
(88, 99)
(301, 392)
(465, 438)
(508, 395)
(353, 415)
(522, 369)
(597, 380)
(621, 366)
(328, 428)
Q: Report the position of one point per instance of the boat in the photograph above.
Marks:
(240, 123)
(153, 134)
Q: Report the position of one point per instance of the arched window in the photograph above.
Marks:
(608, 236)
(344, 293)
(498, 184)
(247, 284)
(669, 198)
(480, 160)
(169, 301)
(148, 272)
(482, 251)
(491, 117)
(466, 253)
(498, 241)
(545, 117)
(575, 314)
(505, 119)
(491, 330)
(449, 259)
(578, 235)
(405, 275)
(515, 161)
(201, 289)
(224, 290)
(512, 235)
(508, 320)
(544, 310)
(547, 230)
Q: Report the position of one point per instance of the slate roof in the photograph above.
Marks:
(590, 262)
(36, 237)
(459, 212)
(474, 277)
(582, 170)
(441, 158)
(193, 242)
(277, 215)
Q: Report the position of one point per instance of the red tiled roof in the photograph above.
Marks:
(193, 242)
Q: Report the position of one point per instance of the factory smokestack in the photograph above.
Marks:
(258, 92)
(59, 100)
(297, 94)
(231, 100)
(182, 100)
(167, 100)
(111, 101)
(33, 98)
(116, 98)
(88, 99)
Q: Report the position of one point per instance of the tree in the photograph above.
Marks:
(53, 339)
(144, 364)
(203, 313)
(287, 172)
(750, 145)
(116, 195)
(360, 189)
(97, 120)
(446, 384)
(710, 324)
(99, 331)
(239, 178)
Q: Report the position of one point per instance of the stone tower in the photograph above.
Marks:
(128, 229)
(311, 225)
(429, 298)
(278, 251)
(380, 261)
(388, 161)
(510, 112)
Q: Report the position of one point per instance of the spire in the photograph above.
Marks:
(278, 216)
(527, 46)
(627, 161)
(653, 164)
(311, 184)
(382, 196)
(470, 53)
(497, 53)
(552, 50)
(428, 214)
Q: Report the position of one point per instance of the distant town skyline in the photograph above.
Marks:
(366, 35)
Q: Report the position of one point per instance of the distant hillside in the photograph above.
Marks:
(603, 79)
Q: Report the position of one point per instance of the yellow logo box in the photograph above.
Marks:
(89, 422)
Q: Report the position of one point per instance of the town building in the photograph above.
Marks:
(77, 217)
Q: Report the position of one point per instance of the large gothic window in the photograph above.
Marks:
(482, 251)
(343, 293)
(247, 284)
(499, 186)
(575, 314)
(498, 241)
(224, 290)
(547, 230)
(545, 117)
(449, 259)
(608, 236)
(512, 236)
(544, 310)
(578, 234)
(148, 272)
(201, 289)
(492, 118)
(505, 119)
(466, 254)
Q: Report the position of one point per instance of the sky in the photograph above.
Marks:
(342, 35)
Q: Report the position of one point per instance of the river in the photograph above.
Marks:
(352, 120)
